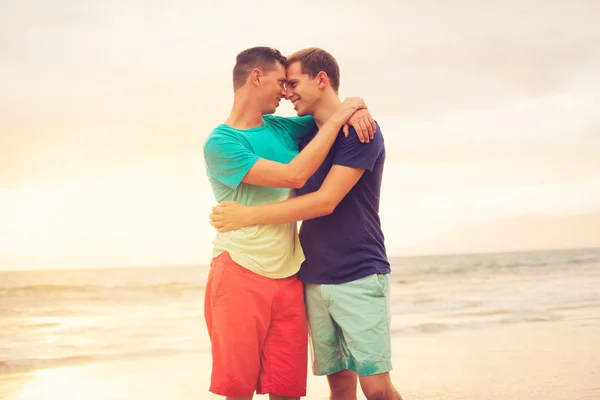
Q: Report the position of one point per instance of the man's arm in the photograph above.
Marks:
(351, 159)
(362, 121)
(305, 164)
(340, 180)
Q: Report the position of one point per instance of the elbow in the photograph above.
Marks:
(327, 207)
(295, 178)
(297, 181)
(323, 204)
(327, 211)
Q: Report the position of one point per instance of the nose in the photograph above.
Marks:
(287, 92)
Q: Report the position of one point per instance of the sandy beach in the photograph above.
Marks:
(519, 326)
(545, 360)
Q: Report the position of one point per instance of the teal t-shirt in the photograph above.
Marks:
(269, 250)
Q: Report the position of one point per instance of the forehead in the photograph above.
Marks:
(294, 71)
(278, 72)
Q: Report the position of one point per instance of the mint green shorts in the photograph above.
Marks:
(350, 326)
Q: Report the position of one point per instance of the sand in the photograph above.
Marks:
(532, 360)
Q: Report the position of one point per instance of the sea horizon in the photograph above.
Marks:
(390, 258)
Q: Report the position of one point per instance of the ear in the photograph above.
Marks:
(255, 76)
(322, 80)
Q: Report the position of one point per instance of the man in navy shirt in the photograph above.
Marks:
(346, 271)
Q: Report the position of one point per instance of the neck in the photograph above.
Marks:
(244, 113)
(326, 107)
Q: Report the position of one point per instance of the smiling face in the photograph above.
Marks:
(302, 90)
(260, 72)
(272, 88)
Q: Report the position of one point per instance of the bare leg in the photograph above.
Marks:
(343, 385)
(240, 398)
(379, 387)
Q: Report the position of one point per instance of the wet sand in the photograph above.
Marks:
(534, 360)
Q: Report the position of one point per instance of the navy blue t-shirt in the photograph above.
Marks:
(348, 244)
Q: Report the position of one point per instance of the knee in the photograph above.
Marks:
(342, 392)
(343, 384)
(376, 389)
(375, 393)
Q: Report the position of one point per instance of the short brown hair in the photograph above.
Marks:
(314, 60)
(263, 58)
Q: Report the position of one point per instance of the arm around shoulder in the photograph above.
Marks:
(303, 166)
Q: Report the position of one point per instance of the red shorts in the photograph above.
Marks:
(258, 332)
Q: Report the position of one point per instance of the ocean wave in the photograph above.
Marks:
(167, 289)
(460, 264)
(506, 317)
(26, 365)
(34, 327)
(23, 365)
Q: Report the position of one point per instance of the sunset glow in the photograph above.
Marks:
(101, 153)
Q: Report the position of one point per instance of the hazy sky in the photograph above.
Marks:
(489, 109)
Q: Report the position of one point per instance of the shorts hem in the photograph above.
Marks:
(228, 392)
(281, 391)
(380, 367)
(328, 369)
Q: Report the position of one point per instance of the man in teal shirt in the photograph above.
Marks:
(346, 272)
(254, 304)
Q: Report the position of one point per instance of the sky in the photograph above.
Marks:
(489, 111)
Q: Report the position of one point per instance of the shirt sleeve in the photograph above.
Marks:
(297, 127)
(350, 152)
(228, 160)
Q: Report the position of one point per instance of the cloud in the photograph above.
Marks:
(485, 110)
(548, 126)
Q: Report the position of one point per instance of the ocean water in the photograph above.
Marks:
(50, 319)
